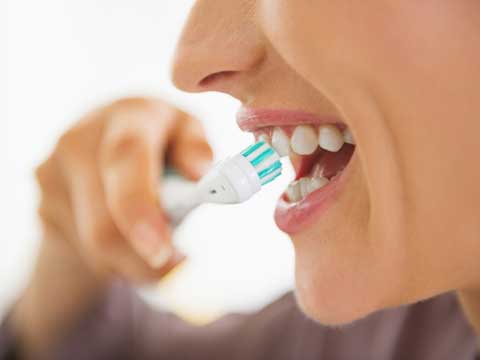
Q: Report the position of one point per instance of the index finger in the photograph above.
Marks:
(135, 138)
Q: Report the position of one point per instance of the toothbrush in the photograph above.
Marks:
(232, 181)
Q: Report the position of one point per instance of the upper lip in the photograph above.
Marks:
(250, 119)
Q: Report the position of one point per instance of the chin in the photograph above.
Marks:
(341, 314)
(334, 312)
(338, 295)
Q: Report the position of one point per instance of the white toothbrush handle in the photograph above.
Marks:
(232, 181)
(178, 197)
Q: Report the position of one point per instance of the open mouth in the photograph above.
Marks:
(320, 150)
(318, 154)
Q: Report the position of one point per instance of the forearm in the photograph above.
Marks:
(60, 291)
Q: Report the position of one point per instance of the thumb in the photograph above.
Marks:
(190, 154)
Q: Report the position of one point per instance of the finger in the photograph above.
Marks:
(103, 245)
(54, 208)
(130, 165)
(130, 266)
(190, 152)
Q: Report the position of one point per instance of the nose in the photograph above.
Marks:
(219, 48)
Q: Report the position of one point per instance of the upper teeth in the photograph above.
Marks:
(280, 142)
(330, 138)
(305, 139)
(348, 137)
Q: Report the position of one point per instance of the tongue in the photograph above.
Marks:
(329, 164)
(322, 163)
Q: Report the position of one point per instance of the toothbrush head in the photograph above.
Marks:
(238, 178)
(265, 160)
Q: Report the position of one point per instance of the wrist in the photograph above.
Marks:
(62, 288)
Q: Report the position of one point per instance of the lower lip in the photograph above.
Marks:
(295, 217)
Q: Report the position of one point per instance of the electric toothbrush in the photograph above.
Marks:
(232, 181)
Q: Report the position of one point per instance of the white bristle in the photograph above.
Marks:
(267, 161)
(257, 152)
(271, 176)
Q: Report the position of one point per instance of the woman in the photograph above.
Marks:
(391, 221)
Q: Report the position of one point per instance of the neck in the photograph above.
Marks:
(470, 300)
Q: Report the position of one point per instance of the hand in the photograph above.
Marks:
(99, 186)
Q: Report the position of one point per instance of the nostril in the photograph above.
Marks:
(215, 77)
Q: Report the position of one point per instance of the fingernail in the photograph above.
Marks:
(177, 257)
(161, 258)
(149, 244)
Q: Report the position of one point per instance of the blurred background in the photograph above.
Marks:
(64, 57)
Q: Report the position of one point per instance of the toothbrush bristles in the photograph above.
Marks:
(265, 160)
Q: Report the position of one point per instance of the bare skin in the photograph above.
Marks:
(100, 211)
(403, 75)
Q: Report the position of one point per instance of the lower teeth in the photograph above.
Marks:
(300, 189)
(325, 168)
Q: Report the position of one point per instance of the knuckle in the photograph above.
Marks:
(49, 178)
(134, 102)
(43, 173)
(72, 147)
(82, 140)
(152, 109)
(68, 141)
(122, 146)
(193, 129)
(140, 103)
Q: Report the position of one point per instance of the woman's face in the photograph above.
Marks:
(401, 222)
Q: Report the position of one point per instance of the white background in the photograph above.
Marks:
(65, 56)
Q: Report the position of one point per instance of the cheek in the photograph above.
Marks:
(322, 40)
(376, 61)
(344, 270)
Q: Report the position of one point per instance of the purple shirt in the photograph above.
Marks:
(122, 327)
